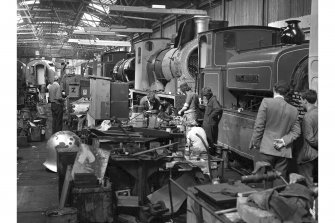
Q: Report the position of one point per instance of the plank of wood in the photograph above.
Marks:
(226, 211)
(65, 190)
(141, 9)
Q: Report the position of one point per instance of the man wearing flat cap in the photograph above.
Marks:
(212, 116)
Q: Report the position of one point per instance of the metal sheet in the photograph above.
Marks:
(91, 160)
(178, 196)
(213, 192)
(235, 131)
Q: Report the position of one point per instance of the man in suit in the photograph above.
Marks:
(308, 154)
(276, 127)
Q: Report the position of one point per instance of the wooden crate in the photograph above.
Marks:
(93, 204)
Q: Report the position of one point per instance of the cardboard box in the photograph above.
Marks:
(73, 91)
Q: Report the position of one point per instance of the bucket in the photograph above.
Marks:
(26, 114)
(64, 215)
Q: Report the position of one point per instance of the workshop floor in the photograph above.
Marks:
(37, 188)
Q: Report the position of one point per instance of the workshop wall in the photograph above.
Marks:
(242, 12)
(248, 12)
(284, 9)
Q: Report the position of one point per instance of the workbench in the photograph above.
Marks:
(141, 135)
(140, 169)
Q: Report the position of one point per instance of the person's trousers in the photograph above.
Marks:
(57, 117)
(211, 133)
(306, 170)
(278, 163)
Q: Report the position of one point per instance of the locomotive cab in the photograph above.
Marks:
(241, 65)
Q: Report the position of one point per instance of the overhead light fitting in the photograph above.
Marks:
(158, 6)
(30, 2)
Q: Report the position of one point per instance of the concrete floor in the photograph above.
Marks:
(36, 187)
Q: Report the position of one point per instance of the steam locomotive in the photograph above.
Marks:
(240, 64)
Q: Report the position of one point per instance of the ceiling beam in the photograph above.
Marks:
(28, 33)
(99, 12)
(95, 33)
(24, 29)
(62, 1)
(104, 29)
(99, 42)
(46, 10)
(126, 30)
(27, 13)
(36, 17)
(141, 9)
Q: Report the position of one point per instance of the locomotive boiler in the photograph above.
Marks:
(162, 64)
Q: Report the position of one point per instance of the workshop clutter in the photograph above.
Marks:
(94, 204)
(80, 106)
(291, 203)
(138, 120)
(30, 126)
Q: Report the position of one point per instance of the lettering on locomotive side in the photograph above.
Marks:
(247, 78)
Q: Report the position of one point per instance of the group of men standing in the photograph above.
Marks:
(276, 127)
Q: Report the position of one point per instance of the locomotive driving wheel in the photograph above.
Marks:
(299, 80)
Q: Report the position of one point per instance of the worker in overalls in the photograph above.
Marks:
(191, 105)
(151, 106)
(213, 113)
(150, 102)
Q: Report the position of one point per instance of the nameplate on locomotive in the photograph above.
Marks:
(247, 78)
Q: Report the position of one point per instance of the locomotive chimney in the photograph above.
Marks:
(201, 23)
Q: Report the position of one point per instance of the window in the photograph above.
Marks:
(149, 45)
(139, 55)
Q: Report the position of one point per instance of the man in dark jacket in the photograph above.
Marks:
(276, 127)
(212, 116)
(308, 154)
